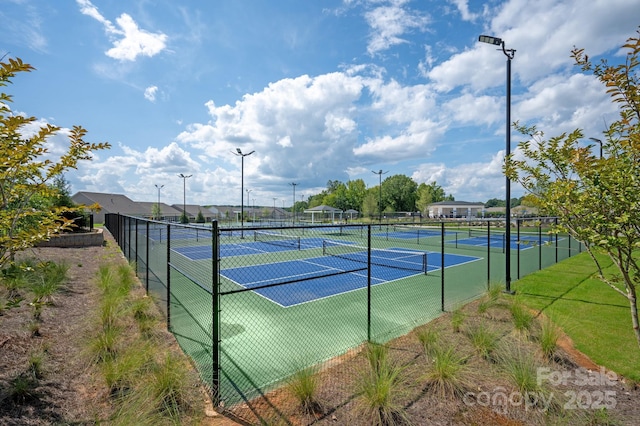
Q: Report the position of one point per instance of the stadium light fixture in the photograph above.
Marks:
(599, 142)
(241, 155)
(509, 53)
(293, 206)
(184, 194)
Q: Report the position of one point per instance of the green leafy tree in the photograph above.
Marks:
(356, 190)
(200, 217)
(428, 194)
(28, 176)
(596, 199)
(399, 193)
(156, 211)
(184, 218)
(370, 203)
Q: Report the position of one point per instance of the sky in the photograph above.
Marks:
(319, 90)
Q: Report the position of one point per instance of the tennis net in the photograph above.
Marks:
(276, 239)
(479, 233)
(398, 259)
(420, 231)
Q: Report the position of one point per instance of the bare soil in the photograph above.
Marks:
(69, 392)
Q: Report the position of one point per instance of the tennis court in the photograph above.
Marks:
(320, 277)
(259, 244)
(279, 299)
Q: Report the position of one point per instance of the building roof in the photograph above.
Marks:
(457, 204)
(165, 209)
(110, 203)
(323, 208)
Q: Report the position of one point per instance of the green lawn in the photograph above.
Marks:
(597, 319)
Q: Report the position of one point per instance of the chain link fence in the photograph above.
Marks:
(252, 306)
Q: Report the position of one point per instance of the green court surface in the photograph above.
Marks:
(264, 338)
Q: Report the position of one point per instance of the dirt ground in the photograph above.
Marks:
(68, 393)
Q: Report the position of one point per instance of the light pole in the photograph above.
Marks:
(248, 192)
(293, 206)
(600, 142)
(380, 173)
(184, 197)
(241, 155)
(274, 208)
(509, 53)
(159, 211)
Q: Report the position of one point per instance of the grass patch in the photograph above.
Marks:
(483, 340)
(428, 338)
(596, 318)
(549, 335)
(448, 375)
(522, 318)
(303, 385)
(380, 388)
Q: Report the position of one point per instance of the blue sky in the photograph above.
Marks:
(321, 90)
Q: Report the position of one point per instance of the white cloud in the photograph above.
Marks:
(388, 24)
(150, 93)
(463, 8)
(129, 41)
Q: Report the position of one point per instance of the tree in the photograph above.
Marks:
(200, 217)
(428, 194)
(370, 203)
(156, 211)
(596, 199)
(28, 174)
(399, 193)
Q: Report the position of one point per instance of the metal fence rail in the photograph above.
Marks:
(252, 306)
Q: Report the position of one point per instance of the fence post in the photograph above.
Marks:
(137, 251)
(168, 277)
(369, 283)
(556, 226)
(540, 246)
(146, 260)
(488, 255)
(517, 246)
(442, 265)
(215, 321)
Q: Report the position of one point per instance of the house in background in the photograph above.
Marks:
(109, 203)
(455, 209)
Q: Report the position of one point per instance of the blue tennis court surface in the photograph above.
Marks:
(247, 248)
(498, 241)
(319, 277)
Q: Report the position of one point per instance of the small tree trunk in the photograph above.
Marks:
(631, 291)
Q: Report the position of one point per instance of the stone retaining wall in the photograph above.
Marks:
(93, 238)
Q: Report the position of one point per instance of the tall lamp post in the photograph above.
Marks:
(293, 206)
(159, 211)
(380, 173)
(509, 53)
(241, 155)
(599, 142)
(248, 192)
(184, 196)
